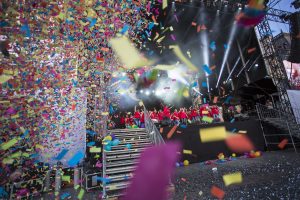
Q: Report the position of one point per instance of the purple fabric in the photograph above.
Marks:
(153, 173)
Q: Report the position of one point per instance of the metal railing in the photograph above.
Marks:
(268, 112)
(151, 129)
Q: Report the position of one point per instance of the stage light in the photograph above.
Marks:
(235, 65)
(153, 91)
(147, 93)
(256, 65)
(123, 74)
(141, 91)
(229, 44)
(158, 75)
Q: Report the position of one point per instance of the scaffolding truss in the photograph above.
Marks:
(273, 61)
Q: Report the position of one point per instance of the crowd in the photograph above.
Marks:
(167, 116)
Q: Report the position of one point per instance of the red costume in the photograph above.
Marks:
(137, 115)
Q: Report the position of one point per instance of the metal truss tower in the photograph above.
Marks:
(273, 61)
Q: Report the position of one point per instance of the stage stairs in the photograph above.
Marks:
(278, 126)
(120, 162)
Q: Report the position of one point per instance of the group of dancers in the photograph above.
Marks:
(167, 116)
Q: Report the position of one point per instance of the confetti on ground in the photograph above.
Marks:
(217, 192)
(212, 134)
(233, 178)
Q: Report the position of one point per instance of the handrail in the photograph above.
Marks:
(266, 112)
(151, 129)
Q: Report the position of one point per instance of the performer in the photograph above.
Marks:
(137, 116)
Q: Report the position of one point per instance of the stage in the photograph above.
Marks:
(190, 139)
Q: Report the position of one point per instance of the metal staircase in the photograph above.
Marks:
(277, 126)
(119, 163)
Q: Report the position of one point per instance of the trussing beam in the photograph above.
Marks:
(278, 15)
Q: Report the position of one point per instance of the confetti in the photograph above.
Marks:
(81, 193)
(283, 143)
(76, 159)
(187, 151)
(217, 192)
(127, 53)
(212, 134)
(180, 55)
(9, 144)
(239, 143)
(233, 178)
(171, 132)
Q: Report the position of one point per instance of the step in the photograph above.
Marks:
(134, 146)
(127, 130)
(120, 177)
(134, 141)
(122, 157)
(121, 163)
(127, 151)
(131, 136)
(116, 170)
(117, 186)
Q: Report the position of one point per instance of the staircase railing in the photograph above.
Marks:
(267, 112)
(151, 129)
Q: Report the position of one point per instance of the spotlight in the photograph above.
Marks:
(256, 65)
(147, 93)
(141, 91)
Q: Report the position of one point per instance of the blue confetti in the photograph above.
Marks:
(61, 154)
(76, 159)
(124, 29)
(90, 144)
(206, 69)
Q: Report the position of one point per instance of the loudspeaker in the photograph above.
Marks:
(295, 37)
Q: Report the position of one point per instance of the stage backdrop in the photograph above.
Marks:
(190, 139)
(294, 96)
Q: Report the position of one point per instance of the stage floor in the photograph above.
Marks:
(275, 175)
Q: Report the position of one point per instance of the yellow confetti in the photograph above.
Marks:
(180, 55)
(81, 193)
(95, 150)
(165, 4)
(4, 78)
(127, 53)
(207, 119)
(187, 151)
(66, 178)
(105, 113)
(38, 146)
(212, 134)
(9, 144)
(232, 178)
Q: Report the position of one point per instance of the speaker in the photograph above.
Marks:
(295, 37)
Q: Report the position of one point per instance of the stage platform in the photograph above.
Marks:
(190, 139)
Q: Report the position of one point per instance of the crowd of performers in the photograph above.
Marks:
(169, 116)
